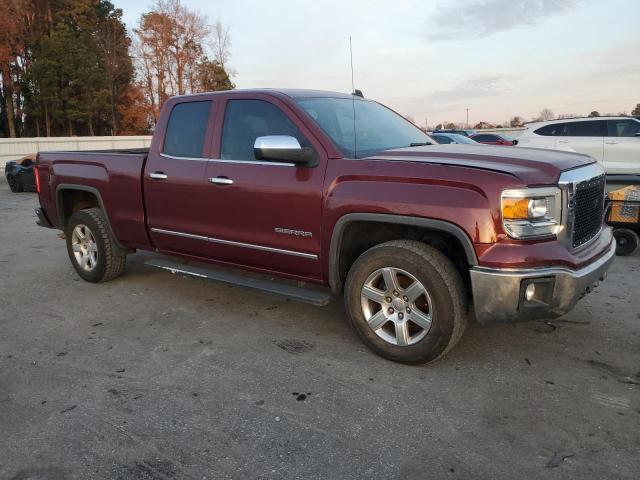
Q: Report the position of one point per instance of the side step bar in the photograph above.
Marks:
(314, 296)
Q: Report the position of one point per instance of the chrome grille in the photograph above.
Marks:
(588, 210)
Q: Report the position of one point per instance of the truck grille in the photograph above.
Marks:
(588, 210)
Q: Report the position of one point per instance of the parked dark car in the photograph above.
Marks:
(494, 139)
(20, 175)
(466, 133)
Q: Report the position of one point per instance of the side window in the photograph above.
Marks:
(585, 129)
(623, 128)
(553, 130)
(442, 139)
(485, 138)
(246, 120)
(186, 128)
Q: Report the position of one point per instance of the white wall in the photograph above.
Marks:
(14, 148)
(512, 132)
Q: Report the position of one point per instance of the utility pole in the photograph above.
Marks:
(426, 124)
(467, 117)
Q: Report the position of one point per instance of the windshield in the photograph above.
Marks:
(461, 139)
(377, 128)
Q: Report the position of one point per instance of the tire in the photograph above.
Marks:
(14, 185)
(444, 300)
(105, 260)
(627, 241)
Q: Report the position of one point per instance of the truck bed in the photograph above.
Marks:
(112, 176)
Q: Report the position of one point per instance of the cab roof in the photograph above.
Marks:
(294, 93)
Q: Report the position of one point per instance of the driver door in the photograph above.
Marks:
(264, 214)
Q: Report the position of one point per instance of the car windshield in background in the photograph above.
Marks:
(377, 128)
(455, 138)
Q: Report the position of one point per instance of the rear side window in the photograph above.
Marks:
(186, 129)
(585, 129)
(246, 120)
(485, 138)
(442, 139)
(623, 128)
(553, 130)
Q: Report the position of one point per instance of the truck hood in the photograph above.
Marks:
(533, 166)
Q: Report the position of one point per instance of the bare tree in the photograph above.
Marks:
(221, 44)
(516, 122)
(546, 114)
(172, 46)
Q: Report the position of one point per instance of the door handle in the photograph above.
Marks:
(611, 143)
(221, 181)
(563, 141)
(158, 176)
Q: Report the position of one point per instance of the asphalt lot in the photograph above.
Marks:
(157, 376)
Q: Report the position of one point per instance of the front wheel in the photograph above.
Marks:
(92, 248)
(407, 301)
(627, 241)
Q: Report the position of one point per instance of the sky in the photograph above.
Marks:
(432, 59)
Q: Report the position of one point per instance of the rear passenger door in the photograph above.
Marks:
(584, 137)
(622, 146)
(175, 190)
(265, 214)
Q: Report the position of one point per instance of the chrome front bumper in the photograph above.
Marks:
(498, 294)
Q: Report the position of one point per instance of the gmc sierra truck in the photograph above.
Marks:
(336, 190)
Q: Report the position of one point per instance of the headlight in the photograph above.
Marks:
(531, 212)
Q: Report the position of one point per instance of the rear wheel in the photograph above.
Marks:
(627, 241)
(91, 247)
(406, 300)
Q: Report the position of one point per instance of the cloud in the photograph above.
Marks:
(475, 87)
(470, 19)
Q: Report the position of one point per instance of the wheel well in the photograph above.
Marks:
(360, 236)
(70, 201)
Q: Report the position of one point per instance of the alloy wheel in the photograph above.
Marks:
(85, 248)
(396, 306)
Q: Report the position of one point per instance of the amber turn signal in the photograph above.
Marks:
(515, 208)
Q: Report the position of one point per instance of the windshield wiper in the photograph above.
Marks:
(420, 144)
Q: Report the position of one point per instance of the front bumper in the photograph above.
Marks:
(498, 294)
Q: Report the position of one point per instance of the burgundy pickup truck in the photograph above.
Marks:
(335, 190)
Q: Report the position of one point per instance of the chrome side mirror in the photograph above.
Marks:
(283, 148)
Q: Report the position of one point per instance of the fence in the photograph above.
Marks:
(14, 148)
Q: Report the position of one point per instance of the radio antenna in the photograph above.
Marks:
(353, 101)
(353, 85)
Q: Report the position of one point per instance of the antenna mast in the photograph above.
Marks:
(353, 102)
(353, 85)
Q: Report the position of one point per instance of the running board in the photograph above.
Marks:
(311, 295)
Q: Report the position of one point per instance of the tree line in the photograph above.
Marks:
(70, 67)
(517, 121)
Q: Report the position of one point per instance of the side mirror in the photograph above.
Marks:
(637, 134)
(283, 148)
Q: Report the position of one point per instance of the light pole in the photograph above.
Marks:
(467, 117)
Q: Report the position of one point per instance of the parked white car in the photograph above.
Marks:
(613, 141)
